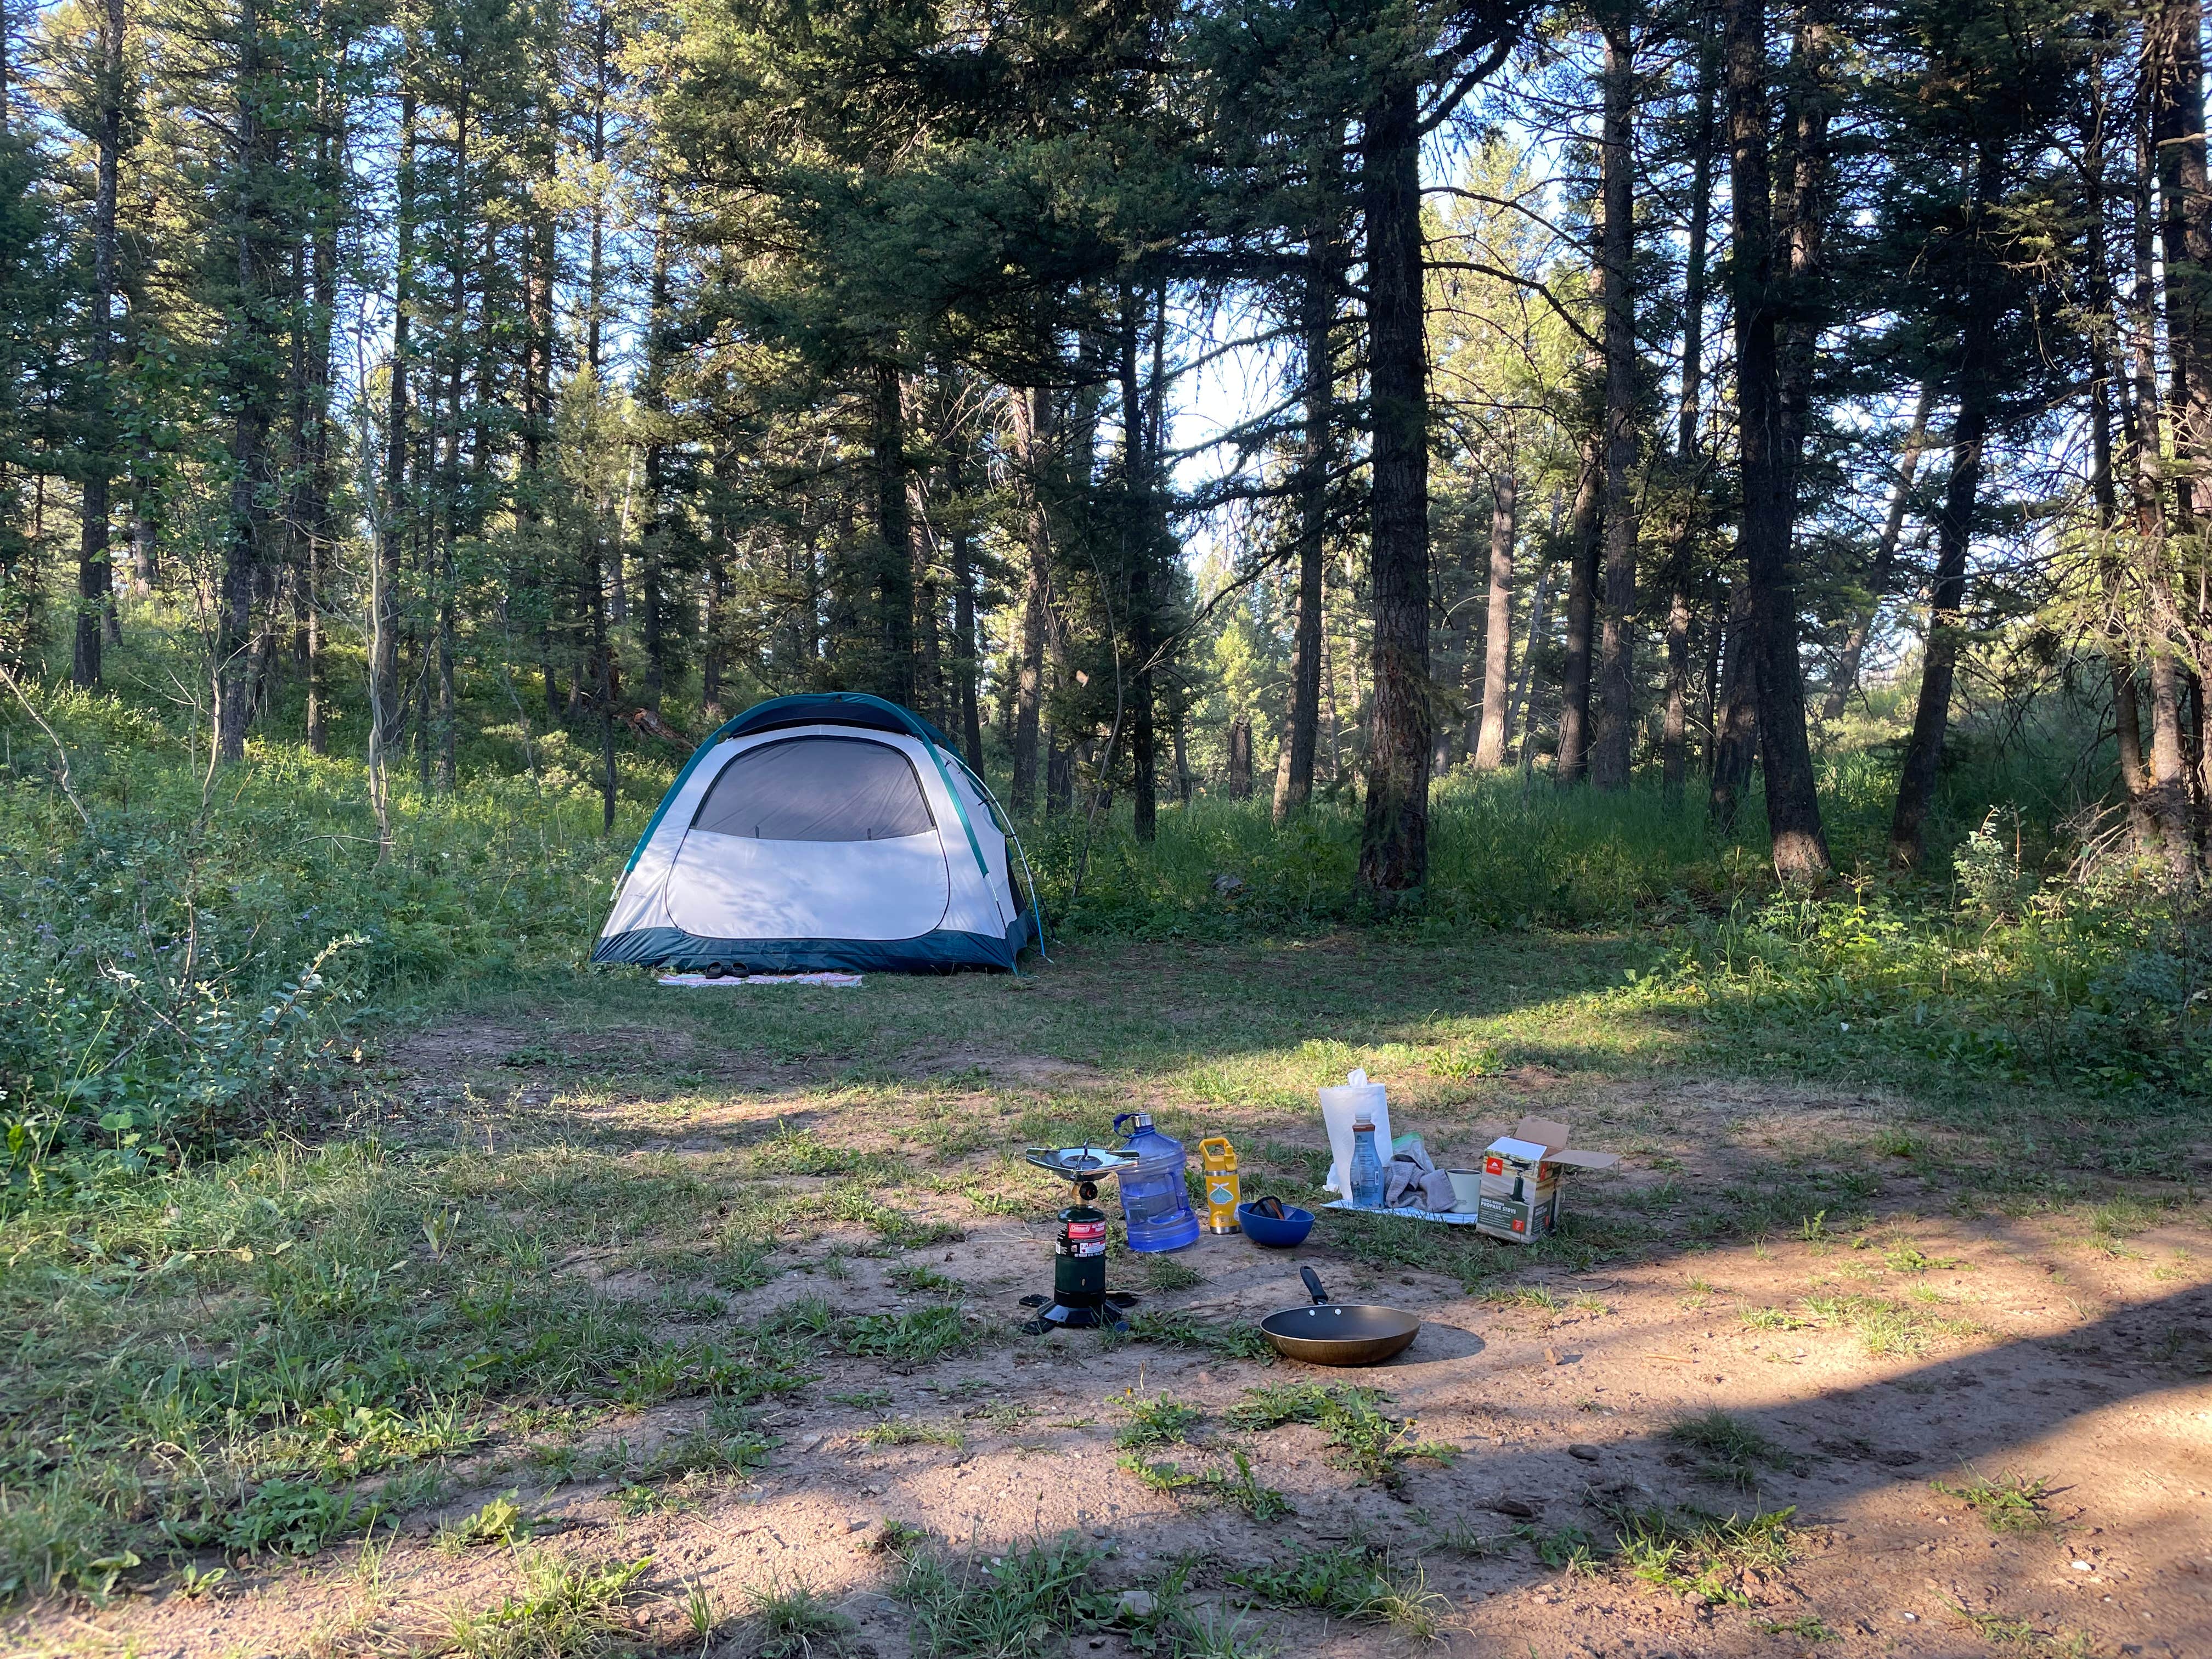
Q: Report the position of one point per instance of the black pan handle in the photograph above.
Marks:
(1313, 1283)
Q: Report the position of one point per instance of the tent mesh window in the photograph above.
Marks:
(817, 789)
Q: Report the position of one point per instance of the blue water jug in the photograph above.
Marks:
(1155, 1199)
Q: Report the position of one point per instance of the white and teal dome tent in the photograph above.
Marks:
(827, 831)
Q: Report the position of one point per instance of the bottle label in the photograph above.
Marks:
(1086, 1238)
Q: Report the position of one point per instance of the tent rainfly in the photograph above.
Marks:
(823, 832)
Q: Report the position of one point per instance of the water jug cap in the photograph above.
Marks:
(1143, 1121)
(1367, 1123)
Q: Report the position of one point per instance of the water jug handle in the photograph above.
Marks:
(1313, 1283)
(1126, 1117)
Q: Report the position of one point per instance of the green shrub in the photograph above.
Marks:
(182, 960)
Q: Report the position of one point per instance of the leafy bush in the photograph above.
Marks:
(1502, 855)
(2100, 984)
(180, 960)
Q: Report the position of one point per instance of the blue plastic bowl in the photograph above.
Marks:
(1266, 1231)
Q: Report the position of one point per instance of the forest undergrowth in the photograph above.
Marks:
(183, 954)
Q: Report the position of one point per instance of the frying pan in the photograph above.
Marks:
(1339, 1333)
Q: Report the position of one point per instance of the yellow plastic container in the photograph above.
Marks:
(1222, 1194)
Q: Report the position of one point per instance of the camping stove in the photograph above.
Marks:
(1079, 1300)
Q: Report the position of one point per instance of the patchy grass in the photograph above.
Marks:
(1565, 1549)
(1534, 1299)
(922, 1279)
(263, 1349)
(564, 1610)
(1704, 1557)
(1166, 1275)
(1241, 1489)
(2010, 1503)
(1728, 1449)
(1887, 1327)
(1352, 1582)
(1167, 1479)
(1235, 1484)
(1806, 1627)
(1238, 1342)
(1159, 1421)
(1997, 1630)
(792, 1621)
(501, 1521)
(1017, 1605)
(912, 1431)
(1366, 1438)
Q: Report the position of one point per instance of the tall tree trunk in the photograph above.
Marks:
(2172, 43)
(548, 587)
(1735, 719)
(2165, 797)
(596, 149)
(1136, 565)
(1673, 736)
(1674, 712)
(1572, 763)
(1497, 634)
(1970, 386)
(1394, 843)
(1846, 678)
(95, 580)
(1769, 514)
(450, 472)
(1032, 421)
(250, 358)
(2127, 713)
(1924, 753)
(323, 270)
(1522, 715)
(2108, 388)
(1294, 767)
(2173, 48)
(929, 699)
(1614, 749)
(654, 541)
(721, 552)
(386, 711)
(965, 660)
(1240, 758)
(894, 552)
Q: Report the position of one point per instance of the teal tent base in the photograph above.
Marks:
(939, 952)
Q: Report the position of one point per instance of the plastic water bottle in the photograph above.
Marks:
(1155, 1198)
(1367, 1186)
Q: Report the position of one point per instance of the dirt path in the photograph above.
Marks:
(1781, 1304)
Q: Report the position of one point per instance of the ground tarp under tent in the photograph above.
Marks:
(827, 831)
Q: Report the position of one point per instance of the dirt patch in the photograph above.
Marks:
(1886, 1328)
(1047, 1072)
(1561, 1394)
(476, 1046)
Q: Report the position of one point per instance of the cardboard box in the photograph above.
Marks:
(1521, 1179)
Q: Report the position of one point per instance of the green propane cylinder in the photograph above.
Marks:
(1080, 1300)
(1079, 1258)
